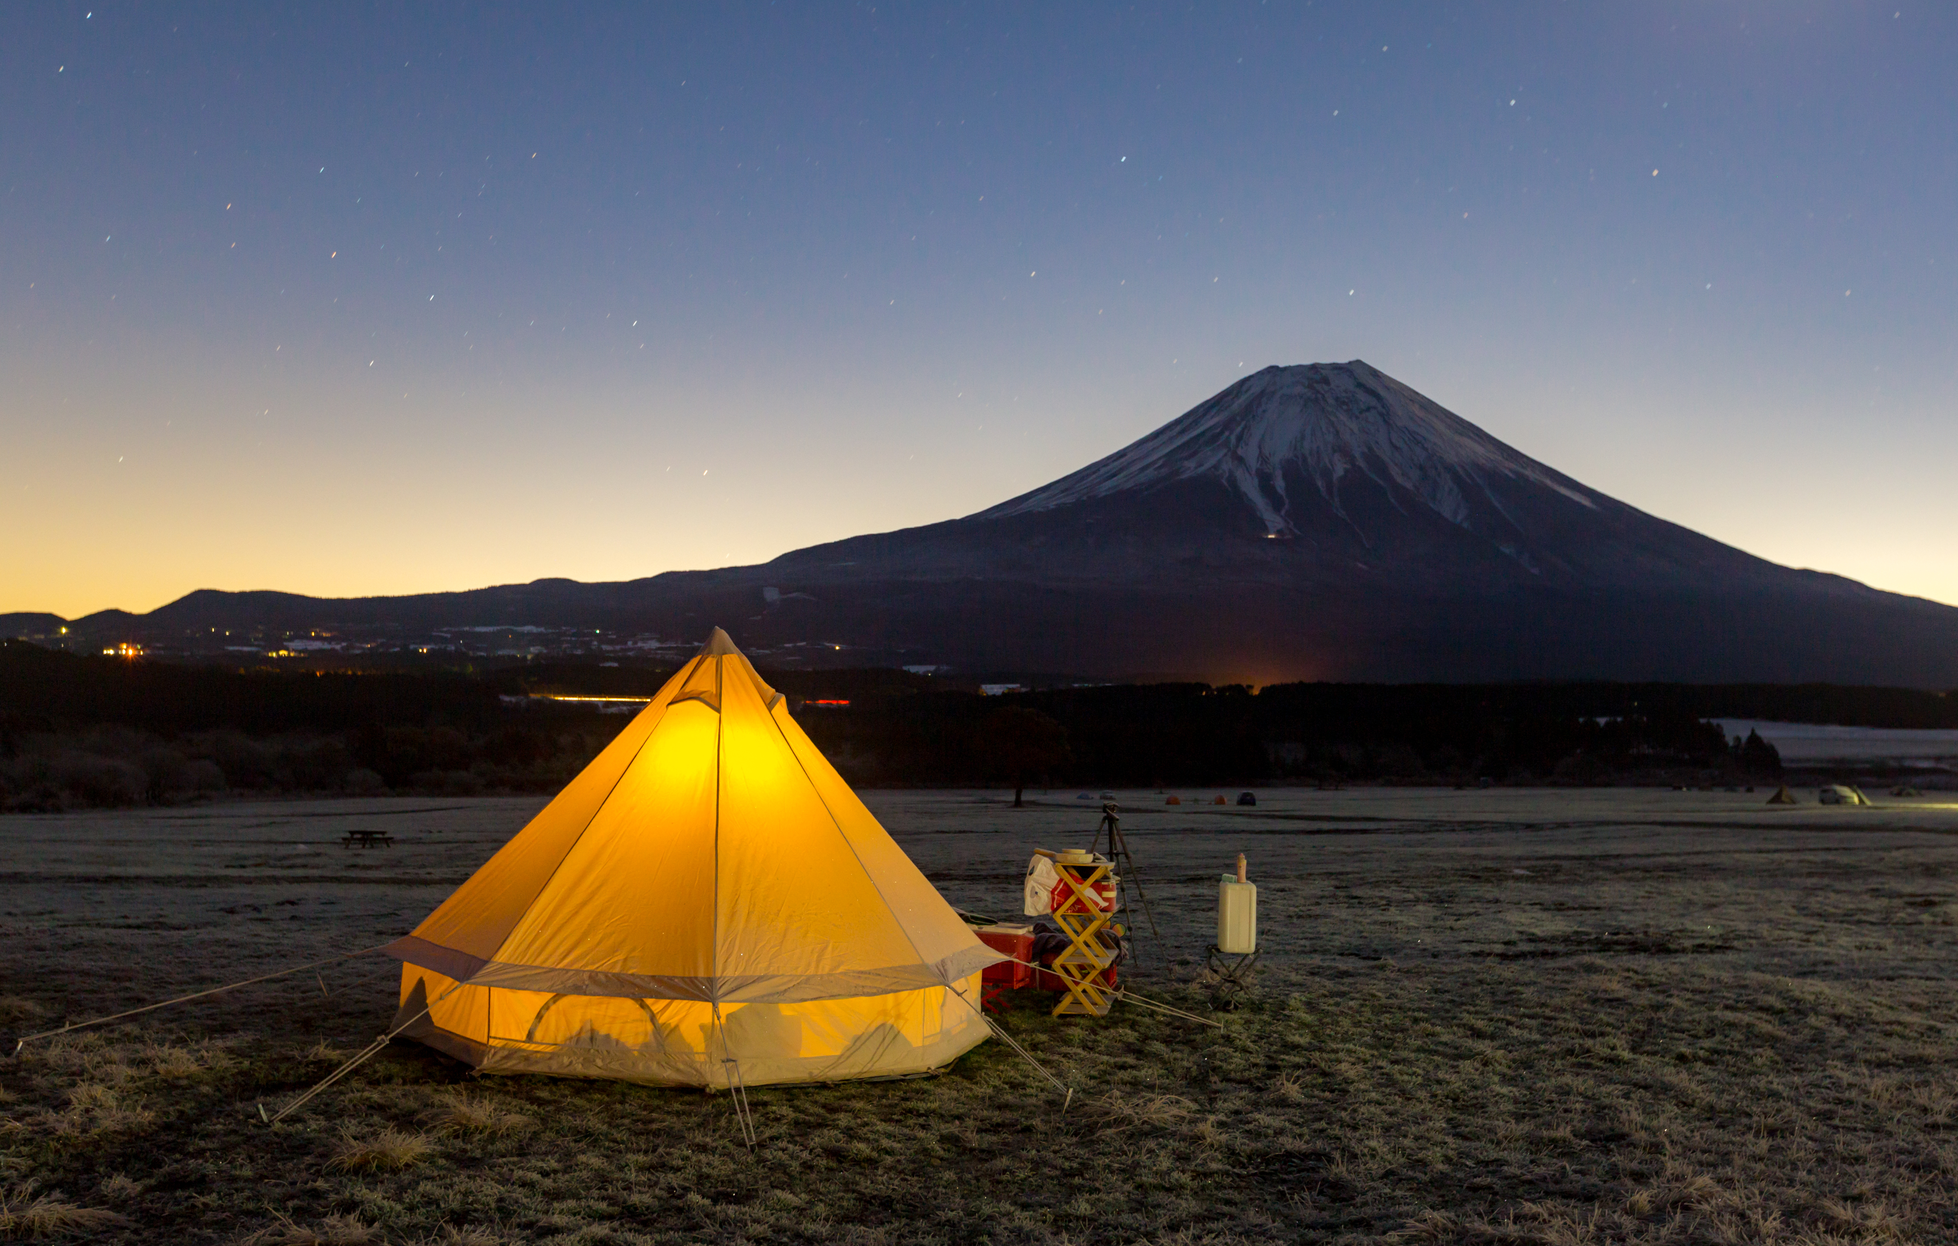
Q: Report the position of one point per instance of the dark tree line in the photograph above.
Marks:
(106, 731)
(1181, 734)
(103, 730)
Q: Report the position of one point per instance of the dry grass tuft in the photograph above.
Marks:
(391, 1148)
(183, 1062)
(1183, 1237)
(1122, 1112)
(95, 1109)
(450, 1235)
(25, 1214)
(479, 1114)
(332, 1231)
(121, 1186)
(1430, 1226)
(18, 1010)
(1288, 1088)
(1698, 1191)
(89, 1097)
(324, 1052)
(176, 1062)
(1872, 1221)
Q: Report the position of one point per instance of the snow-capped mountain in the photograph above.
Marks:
(1301, 476)
(1323, 424)
(1311, 522)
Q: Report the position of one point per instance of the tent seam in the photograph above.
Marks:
(868, 876)
(714, 901)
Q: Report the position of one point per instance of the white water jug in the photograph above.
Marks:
(1237, 913)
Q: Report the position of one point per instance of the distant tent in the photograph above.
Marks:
(1782, 796)
(708, 901)
(1174, 800)
(1841, 794)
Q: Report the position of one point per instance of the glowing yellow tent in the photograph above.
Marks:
(707, 903)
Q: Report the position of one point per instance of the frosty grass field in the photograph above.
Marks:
(1485, 1016)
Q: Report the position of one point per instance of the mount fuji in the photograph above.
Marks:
(1311, 522)
(1327, 521)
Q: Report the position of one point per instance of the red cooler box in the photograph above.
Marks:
(1014, 941)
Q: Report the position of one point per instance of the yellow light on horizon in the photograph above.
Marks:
(554, 696)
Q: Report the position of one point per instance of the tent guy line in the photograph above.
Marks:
(359, 1059)
(184, 999)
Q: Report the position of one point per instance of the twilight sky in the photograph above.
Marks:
(350, 300)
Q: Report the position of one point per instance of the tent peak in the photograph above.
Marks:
(718, 645)
(704, 674)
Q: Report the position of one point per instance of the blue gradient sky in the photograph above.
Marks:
(349, 300)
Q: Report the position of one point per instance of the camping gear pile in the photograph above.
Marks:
(1077, 956)
(1083, 906)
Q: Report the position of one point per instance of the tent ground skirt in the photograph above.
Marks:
(670, 1042)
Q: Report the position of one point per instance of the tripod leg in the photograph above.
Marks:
(1148, 915)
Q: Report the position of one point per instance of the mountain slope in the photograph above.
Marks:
(1327, 521)
(1324, 475)
(1319, 425)
(1311, 522)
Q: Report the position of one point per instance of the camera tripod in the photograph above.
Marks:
(1118, 852)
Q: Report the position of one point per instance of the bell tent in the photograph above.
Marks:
(706, 904)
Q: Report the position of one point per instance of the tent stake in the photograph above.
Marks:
(736, 1088)
(360, 1059)
(1022, 1052)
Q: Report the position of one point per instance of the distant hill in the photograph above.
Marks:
(1310, 522)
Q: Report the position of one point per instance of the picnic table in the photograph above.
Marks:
(367, 839)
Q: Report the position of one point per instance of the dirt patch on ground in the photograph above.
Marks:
(1482, 1017)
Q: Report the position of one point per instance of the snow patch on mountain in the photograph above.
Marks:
(1322, 422)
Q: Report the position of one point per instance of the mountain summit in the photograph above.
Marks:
(1303, 478)
(1314, 522)
(1320, 425)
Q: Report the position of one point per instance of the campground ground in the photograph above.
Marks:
(1497, 1016)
